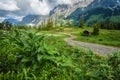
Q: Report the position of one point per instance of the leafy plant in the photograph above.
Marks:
(114, 61)
(28, 55)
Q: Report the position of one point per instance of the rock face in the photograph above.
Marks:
(13, 21)
(98, 10)
(67, 9)
(62, 11)
(105, 3)
(91, 10)
(32, 19)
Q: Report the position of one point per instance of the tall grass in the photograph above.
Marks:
(26, 55)
(105, 37)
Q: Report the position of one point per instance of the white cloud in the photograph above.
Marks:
(38, 7)
(18, 8)
(9, 5)
(33, 7)
(2, 19)
(42, 7)
(19, 18)
(64, 2)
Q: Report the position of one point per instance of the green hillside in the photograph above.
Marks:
(36, 55)
(94, 15)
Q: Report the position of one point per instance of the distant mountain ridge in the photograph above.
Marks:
(98, 10)
(31, 20)
(13, 21)
(91, 10)
(66, 9)
(61, 9)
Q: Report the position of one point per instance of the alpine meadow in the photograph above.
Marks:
(59, 39)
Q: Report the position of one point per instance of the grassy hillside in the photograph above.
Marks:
(105, 37)
(46, 52)
(94, 15)
(43, 55)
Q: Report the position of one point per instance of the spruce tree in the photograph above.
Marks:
(95, 30)
(81, 24)
(49, 24)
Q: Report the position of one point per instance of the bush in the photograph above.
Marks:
(95, 30)
(114, 61)
(22, 51)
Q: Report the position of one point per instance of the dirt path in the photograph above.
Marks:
(97, 48)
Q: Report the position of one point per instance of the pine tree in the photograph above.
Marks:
(1, 25)
(81, 24)
(69, 23)
(95, 30)
(50, 24)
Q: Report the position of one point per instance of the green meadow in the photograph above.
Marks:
(43, 55)
(105, 37)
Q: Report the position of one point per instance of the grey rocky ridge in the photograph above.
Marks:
(104, 9)
(91, 10)
(61, 9)
(96, 11)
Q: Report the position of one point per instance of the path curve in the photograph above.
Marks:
(97, 48)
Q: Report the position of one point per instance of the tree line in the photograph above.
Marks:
(103, 25)
(108, 25)
(5, 25)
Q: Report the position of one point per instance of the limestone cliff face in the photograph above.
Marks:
(62, 11)
(97, 11)
(67, 9)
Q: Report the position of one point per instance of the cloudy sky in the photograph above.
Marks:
(19, 8)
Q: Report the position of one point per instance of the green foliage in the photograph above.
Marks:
(50, 24)
(114, 61)
(95, 30)
(94, 18)
(108, 25)
(1, 25)
(46, 25)
(115, 19)
(69, 23)
(98, 14)
(105, 37)
(81, 24)
(21, 49)
(5, 25)
(25, 27)
(27, 55)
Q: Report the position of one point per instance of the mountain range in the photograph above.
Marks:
(91, 10)
(97, 11)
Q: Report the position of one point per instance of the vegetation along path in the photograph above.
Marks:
(97, 48)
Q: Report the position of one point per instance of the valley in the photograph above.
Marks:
(60, 40)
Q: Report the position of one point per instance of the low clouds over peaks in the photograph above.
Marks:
(26, 7)
(9, 5)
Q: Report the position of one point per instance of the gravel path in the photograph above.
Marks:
(97, 48)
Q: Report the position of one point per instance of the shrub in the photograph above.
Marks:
(95, 30)
(114, 61)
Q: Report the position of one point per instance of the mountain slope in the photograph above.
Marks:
(31, 19)
(67, 9)
(62, 11)
(91, 10)
(98, 10)
(13, 21)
